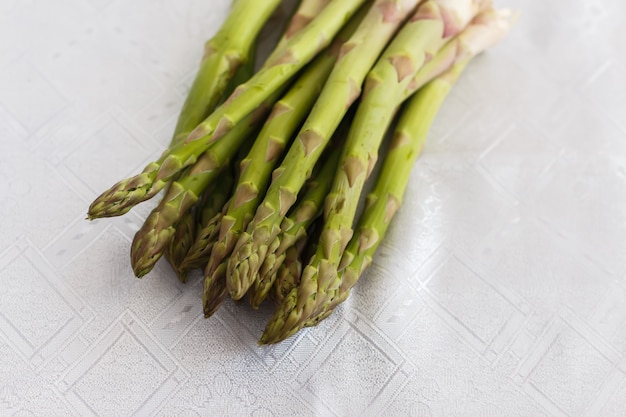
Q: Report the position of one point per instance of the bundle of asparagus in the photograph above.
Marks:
(262, 190)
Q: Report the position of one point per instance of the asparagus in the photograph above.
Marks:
(158, 229)
(280, 232)
(257, 166)
(200, 251)
(223, 54)
(214, 200)
(434, 23)
(198, 254)
(296, 53)
(195, 255)
(288, 274)
(214, 290)
(180, 244)
(410, 134)
(294, 227)
(343, 87)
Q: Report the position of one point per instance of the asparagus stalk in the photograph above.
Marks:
(297, 52)
(311, 241)
(180, 244)
(198, 254)
(158, 229)
(194, 255)
(294, 227)
(343, 87)
(410, 134)
(214, 290)
(223, 54)
(288, 274)
(214, 200)
(434, 23)
(386, 198)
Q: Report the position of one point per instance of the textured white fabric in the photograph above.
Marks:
(499, 291)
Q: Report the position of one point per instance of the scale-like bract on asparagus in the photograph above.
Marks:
(306, 12)
(275, 74)
(343, 87)
(434, 23)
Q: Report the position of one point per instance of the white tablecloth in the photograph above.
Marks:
(499, 291)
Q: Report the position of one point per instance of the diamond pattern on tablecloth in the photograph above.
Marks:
(125, 355)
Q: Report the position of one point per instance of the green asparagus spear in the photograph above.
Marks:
(434, 23)
(288, 274)
(188, 248)
(275, 74)
(343, 87)
(180, 244)
(198, 254)
(214, 201)
(200, 251)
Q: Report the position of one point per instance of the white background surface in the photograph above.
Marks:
(499, 291)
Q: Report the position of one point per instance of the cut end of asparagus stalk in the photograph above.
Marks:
(486, 30)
